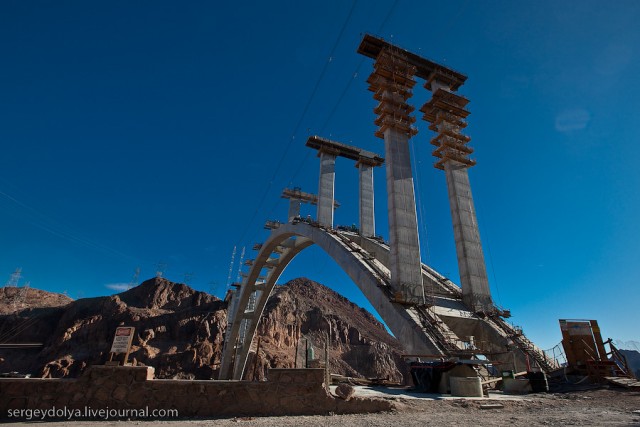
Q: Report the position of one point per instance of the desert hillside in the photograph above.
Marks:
(180, 332)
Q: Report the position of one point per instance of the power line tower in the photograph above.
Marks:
(239, 278)
(213, 287)
(188, 277)
(233, 258)
(161, 266)
(135, 279)
(14, 279)
(21, 295)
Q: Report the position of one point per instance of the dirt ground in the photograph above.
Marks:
(598, 407)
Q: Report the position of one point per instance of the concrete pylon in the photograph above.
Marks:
(294, 209)
(446, 113)
(296, 197)
(471, 264)
(366, 198)
(391, 83)
(326, 188)
(328, 150)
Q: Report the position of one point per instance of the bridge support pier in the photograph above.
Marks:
(367, 214)
(326, 188)
(365, 160)
(294, 209)
(473, 273)
(296, 198)
(391, 83)
(446, 112)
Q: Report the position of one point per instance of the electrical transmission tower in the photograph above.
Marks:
(213, 287)
(21, 295)
(239, 278)
(18, 297)
(14, 279)
(188, 277)
(135, 279)
(161, 266)
(233, 258)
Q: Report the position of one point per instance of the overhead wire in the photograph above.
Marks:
(20, 327)
(335, 107)
(388, 16)
(488, 246)
(421, 214)
(415, 163)
(45, 222)
(329, 117)
(332, 112)
(338, 102)
(299, 122)
(303, 163)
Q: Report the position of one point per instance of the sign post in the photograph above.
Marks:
(122, 343)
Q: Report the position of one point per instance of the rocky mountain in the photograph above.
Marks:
(179, 331)
(633, 359)
(20, 298)
(305, 311)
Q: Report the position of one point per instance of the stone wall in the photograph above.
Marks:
(288, 392)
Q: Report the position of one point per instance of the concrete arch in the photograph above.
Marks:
(371, 277)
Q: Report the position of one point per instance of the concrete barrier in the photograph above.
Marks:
(466, 386)
(516, 386)
(288, 392)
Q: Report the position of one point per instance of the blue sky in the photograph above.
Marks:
(135, 132)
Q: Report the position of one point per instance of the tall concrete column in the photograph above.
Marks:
(473, 273)
(447, 112)
(365, 160)
(367, 214)
(391, 83)
(296, 197)
(294, 208)
(326, 188)
(405, 261)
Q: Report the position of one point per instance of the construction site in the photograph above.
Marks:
(434, 318)
(452, 344)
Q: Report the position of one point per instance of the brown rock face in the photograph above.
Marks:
(303, 311)
(179, 331)
(14, 299)
(345, 391)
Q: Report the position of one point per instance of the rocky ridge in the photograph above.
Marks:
(14, 299)
(179, 331)
(304, 311)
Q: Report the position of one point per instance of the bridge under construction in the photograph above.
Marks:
(432, 317)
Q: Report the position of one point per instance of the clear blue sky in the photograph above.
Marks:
(134, 132)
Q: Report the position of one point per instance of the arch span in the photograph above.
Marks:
(283, 245)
